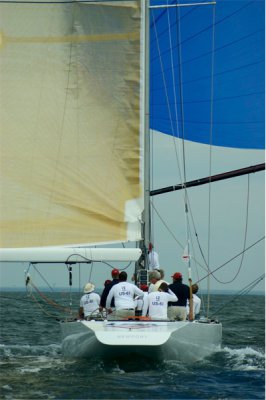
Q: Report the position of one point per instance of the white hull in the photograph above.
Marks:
(184, 341)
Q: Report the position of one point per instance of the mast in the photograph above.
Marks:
(147, 214)
(142, 266)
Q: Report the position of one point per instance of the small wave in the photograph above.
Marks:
(7, 387)
(118, 370)
(32, 364)
(245, 359)
(37, 364)
(11, 351)
(29, 370)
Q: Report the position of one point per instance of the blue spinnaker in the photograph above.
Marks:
(207, 72)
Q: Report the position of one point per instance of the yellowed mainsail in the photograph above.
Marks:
(71, 140)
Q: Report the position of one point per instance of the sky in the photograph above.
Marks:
(232, 225)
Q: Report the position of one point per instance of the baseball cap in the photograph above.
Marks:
(144, 288)
(177, 275)
(115, 272)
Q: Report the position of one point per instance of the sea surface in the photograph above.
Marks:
(32, 366)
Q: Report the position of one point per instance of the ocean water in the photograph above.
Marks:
(32, 366)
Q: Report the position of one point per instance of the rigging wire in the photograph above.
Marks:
(242, 292)
(36, 269)
(182, 116)
(51, 302)
(182, 246)
(211, 127)
(202, 55)
(179, 41)
(234, 257)
(218, 22)
(175, 95)
(210, 155)
(174, 132)
(244, 244)
(166, 226)
(165, 89)
(182, 111)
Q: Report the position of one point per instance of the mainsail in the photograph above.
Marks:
(71, 126)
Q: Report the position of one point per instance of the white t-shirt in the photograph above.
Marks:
(123, 293)
(196, 305)
(90, 303)
(157, 303)
(153, 260)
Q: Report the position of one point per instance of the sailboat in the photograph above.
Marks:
(85, 84)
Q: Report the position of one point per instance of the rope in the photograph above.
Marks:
(49, 301)
(42, 308)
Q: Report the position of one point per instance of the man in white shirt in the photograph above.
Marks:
(89, 302)
(157, 302)
(123, 294)
(153, 258)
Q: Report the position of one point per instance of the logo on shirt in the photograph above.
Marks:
(157, 302)
(88, 301)
(124, 292)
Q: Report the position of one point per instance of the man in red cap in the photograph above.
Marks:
(177, 309)
(115, 276)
